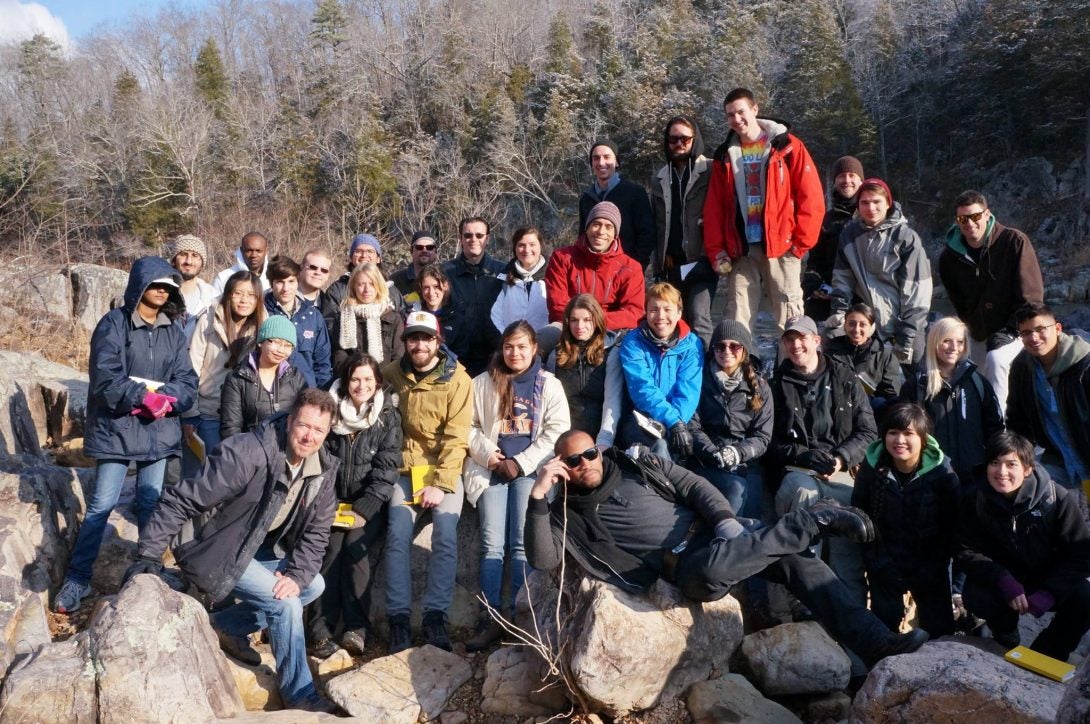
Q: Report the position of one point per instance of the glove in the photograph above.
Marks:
(821, 462)
(902, 354)
(835, 321)
(154, 405)
(681, 440)
(154, 566)
(508, 469)
(728, 457)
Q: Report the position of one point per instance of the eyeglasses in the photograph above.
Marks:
(680, 140)
(974, 217)
(573, 461)
(732, 347)
(471, 235)
(315, 267)
(423, 247)
(1036, 331)
(280, 344)
(241, 296)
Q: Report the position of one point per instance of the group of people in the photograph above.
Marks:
(580, 408)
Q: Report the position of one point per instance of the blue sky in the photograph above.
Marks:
(69, 20)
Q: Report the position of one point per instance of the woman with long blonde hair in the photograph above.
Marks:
(368, 322)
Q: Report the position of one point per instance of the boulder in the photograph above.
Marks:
(94, 288)
(285, 716)
(339, 662)
(24, 629)
(158, 659)
(56, 684)
(832, 707)
(48, 291)
(1075, 705)
(257, 685)
(511, 676)
(949, 681)
(42, 403)
(796, 658)
(731, 698)
(404, 688)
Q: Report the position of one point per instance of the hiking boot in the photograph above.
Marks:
(70, 595)
(489, 631)
(318, 705)
(354, 641)
(901, 644)
(323, 648)
(841, 521)
(239, 648)
(401, 636)
(435, 630)
(1007, 639)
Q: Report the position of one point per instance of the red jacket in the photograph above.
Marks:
(794, 202)
(612, 277)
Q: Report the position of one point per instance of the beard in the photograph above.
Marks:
(676, 156)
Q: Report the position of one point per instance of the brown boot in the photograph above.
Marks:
(488, 632)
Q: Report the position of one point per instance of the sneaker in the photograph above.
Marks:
(354, 641)
(70, 595)
(904, 643)
(400, 634)
(323, 648)
(1007, 639)
(435, 630)
(489, 631)
(239, 648)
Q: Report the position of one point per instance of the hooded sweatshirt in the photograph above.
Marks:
(240, 265)
(612, 277)
(677, 199)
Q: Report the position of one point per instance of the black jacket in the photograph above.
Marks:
(965, 412)
(370, 460)
(241, 488)
(823, 255)
(725, 418)
(874, 365)
(637, 221)
(1039, 537)
(245, 402)
(473, 291)
(832, 413)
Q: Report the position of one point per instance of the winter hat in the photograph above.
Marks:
(605, 210)
(187, 242)
(277, 327)
(360, 239)
(732, 329)
(848, 164)
(877, 184)
(601, 142)
(422, 236)
(801, 324)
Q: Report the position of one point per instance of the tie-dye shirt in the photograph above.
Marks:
(753, 159)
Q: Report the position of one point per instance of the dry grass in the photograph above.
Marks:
(31, 330)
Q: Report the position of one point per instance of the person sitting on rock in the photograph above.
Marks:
(630, 521)
(1025, 548)
(270, 497)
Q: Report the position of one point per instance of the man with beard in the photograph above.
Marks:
(187, 255)
(677, 199)
(847, 178)
(424, 250)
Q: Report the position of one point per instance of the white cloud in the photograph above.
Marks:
(23, 21)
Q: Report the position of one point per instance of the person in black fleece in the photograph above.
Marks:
(637, 220)
(847, 178)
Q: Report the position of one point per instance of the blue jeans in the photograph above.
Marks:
(742, 489)
(109, 479)
(502, 509)
(208, 429)
(443, 564)
(256, 609)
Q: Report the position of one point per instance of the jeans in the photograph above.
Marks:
(1058, 640)
(502, 509)
(256, 609)
(109, 479)
(208, 430)
(443, 565)
(742, 489)
(346, 603)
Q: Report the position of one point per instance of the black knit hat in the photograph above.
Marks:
(601, 142)
(732, 329)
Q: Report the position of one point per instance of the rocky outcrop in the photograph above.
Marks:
(1075, 706)
(56, 684)
(796, 658)
(511, 678)
(732, 699)
(948, 681)
(41, 403)
(94, 288)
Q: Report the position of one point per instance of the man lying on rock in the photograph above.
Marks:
(632, 521)
(269, 499)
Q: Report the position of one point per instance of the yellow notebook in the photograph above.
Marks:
(1040, 664)
(343, 518)
(422, 476)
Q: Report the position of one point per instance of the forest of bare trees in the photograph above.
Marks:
(311, 121)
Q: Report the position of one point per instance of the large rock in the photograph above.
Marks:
(49, 291)
(948, 681)
(41, 402)
(57, 684)
(731, 698)
(404, 688)
(511, 677)
(1075, 704)
(158, 659)
(257, 685)
(94, 288)
(796, 658)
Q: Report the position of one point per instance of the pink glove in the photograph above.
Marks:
(155, 405)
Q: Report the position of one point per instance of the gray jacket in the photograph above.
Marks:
(692, 207)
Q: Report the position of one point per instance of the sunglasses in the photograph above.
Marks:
(574, 461)
(966, 218)
(680, 140)
(315, 267)
(471, 235)
(423, 247)
(732, 347)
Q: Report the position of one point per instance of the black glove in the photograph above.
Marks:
(821, 462)
(154, 566)
(681, 440)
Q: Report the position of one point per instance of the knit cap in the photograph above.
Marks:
(732, 329)
(879, 183)
(848, 164)
(606, 210)
(601, 142)
(277, 327)
(361, 239)
(187, 242)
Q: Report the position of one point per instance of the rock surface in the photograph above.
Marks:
(57, 684)
(41, 402)
(93, 289)
(511, 676)
(1075, 705)
(257, 685)
(158, 659)
(949, 681)
(796, 658)
(731, 698)
(403, 688)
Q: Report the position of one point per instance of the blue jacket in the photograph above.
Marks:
(664, 383)
(312, 353)
(123, 346)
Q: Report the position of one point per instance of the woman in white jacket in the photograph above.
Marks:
(519, 411)
(523, 293)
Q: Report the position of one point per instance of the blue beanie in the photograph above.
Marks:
(277, 327)
(360, 239)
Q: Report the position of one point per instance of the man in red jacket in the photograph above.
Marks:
(762, 213)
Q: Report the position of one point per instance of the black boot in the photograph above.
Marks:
(904, 643)
(842, 521)
(401, 636)
(489, 631)
(435, 630)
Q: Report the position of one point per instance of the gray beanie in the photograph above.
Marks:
(732, 329)
(187, 242)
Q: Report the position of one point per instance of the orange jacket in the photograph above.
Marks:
(794, 201)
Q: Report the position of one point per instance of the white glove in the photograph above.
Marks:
(728, 458)
(835, 321)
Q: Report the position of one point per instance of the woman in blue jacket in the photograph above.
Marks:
(662, 361)
(141, 380)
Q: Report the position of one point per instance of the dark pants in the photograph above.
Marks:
(1071, 621)
(346, 568)
(708, 570)
(932, 597)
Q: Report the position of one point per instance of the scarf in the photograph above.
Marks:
(729, 383)
(349, 421)
(664, 344)
(526, 275)
(372, 317)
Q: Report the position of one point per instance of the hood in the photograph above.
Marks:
(774, 128)
(240, 262)
(956, 240)
(962, 369)
(144, 271)
(698, 140)
(1071, 350)
(1034, 491)
(930, 457)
